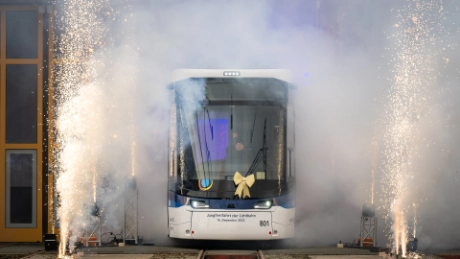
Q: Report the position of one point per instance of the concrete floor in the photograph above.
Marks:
(36, 251)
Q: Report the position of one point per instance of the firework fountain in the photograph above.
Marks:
(413, 70)
(80, 38)
(82, 133)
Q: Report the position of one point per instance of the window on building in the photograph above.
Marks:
(21, 182)
(21, 103)
(21, 34)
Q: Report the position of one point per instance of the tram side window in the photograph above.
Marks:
(290, 141)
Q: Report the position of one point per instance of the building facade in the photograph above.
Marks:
(26, 98)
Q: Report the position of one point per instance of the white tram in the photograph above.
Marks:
(231, 155)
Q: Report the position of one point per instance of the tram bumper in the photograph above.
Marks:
(235, 225)
(188, 223)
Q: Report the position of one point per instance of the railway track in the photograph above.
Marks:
(230, 254)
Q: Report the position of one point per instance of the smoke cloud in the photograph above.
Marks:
(341, 55)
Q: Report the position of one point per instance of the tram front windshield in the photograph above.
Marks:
(227, 126)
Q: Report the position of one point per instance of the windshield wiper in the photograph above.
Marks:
(253, 125)
(199, 143)
(207, 151)
(261, 154)
(211, 128)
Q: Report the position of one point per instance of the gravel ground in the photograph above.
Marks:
(144, 256)
(46, 255)
(12, 256)
(39, 255)
(43, 256)
(174, 256)
(36, 251)
(287, 256)
(345, 257)
(53, 255)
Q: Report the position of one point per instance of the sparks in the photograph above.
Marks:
(413, 67)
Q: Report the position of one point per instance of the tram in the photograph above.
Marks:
(231, 155)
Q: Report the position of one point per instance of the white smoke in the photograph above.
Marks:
(340, 66)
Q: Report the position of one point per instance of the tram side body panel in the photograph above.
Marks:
(283, 220)
(180, 222)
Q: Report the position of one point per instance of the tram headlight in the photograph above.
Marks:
(263, 204)
(198, 204)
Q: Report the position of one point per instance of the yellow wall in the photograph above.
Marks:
(21, 234)
(51, 174)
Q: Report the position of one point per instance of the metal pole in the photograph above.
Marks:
(100, 225)
(130, 228)
(137, 211)
(361, 232)
(375, 232)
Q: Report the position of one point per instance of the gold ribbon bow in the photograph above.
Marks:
(243, 183)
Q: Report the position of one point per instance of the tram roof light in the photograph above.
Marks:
(232, 73)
